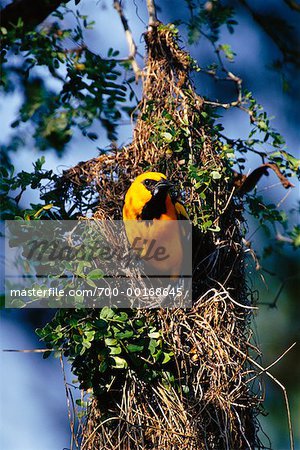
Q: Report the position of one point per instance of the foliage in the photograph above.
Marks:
(90, 89)
(86, 88)
(103, 342)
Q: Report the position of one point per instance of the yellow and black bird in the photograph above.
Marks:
(151, 203)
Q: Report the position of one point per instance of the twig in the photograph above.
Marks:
(131, 44)
(71, 420)
(245, 183)
(286, 399)
(289, 54)
(293, 5)
(241, 100)
(229, 77)
(281, 238)
(283, 198)
(273, 363)
(222, 105)
(34, 350)
(273, 304)
(290, 427)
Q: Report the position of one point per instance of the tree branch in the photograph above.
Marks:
(130, 40)
(229, 77)
(285, 41)
(293, 5)
(152, 12)
(31, 12)
(246, 183)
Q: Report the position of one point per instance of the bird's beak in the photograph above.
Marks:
(162, 186)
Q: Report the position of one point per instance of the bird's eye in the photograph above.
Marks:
(147, 182)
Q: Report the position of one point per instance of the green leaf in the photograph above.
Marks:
(122, 316)
(152, 346)
(120, 363)
(110, 341)
(296, 241)
(262, 125)
(92, 136)
(167, 358)
(95, 274)
(215, 175)
(103, 366)
(17, 303)
(215, 229)
(134, 348)
(115, 350)
(154, 334)
(228, 52)
(124, 334)
(46, 354)
(77, 338)
(86, 344)
(107, 313)
(167, 136)
(206, 224)
(89, 335)
(91, 283)
(295, 163)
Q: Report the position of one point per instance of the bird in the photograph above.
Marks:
(151, 213)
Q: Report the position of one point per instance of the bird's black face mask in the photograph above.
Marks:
(157, 205)
(161, 188)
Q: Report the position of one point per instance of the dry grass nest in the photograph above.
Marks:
(219, 396)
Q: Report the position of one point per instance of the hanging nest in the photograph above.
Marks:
(214, 404)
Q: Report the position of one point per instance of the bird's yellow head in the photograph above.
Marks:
(146, 195)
